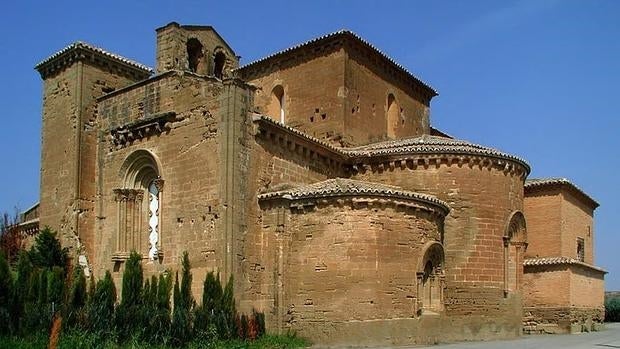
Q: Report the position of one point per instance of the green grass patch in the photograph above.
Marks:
(77, 340)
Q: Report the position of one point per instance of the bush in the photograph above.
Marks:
(612, 310)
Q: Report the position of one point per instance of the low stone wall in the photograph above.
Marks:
(562, 319)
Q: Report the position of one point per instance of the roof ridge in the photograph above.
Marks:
(334, 34)
(85, 45)
(531, 183)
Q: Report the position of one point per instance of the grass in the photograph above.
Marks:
(76, 340)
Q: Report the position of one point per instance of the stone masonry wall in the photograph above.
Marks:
(314, 93)
(328, 269)
(188, 154)
(68, 170)
(481, 201)
(365, 103)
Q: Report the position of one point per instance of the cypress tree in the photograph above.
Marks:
(101, 308)
(6, 291)
(129, 316)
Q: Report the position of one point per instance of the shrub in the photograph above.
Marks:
(612, 310)
(11, 240)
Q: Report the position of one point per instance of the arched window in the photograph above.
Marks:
(393, 116)
(194, 55)
(276, 106)
(139, 220)
(430, 278)
(515, 238)
(219, 61)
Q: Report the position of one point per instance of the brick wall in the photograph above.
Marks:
(543, 215)
(576, 223)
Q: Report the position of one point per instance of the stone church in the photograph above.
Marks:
(315, 178)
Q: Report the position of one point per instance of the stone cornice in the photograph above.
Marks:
(331, 42)
(146, 127)
(81, 51)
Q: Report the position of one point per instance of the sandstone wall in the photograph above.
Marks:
(482, 199)
(172, 52)
(330, 271)
(314, 95)
(189, 158)
(68, 149)
(366, 105)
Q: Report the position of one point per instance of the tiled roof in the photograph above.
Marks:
(424, 144)
(89, 47)
(344, 187)
(542, 182)
(342, 32)
(558, 261)
(269, 120)
(427, 144)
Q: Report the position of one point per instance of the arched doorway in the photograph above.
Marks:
(430, 278)
(515, 238)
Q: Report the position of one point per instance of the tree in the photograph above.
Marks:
(74, 309)
(181, 327)
(11, 240)
(101, 306)
(6, 290)
(47, 251)
(129, 315)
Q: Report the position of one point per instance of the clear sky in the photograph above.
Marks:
(538, 79)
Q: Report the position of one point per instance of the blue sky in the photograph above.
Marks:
(538, 79)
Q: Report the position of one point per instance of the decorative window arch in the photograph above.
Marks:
(393, 115)
(430, 277)
(515, 243)
(139, 226)
(276, 106)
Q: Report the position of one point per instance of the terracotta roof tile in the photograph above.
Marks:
(558, 261)
(344, 187)
(427, 144)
